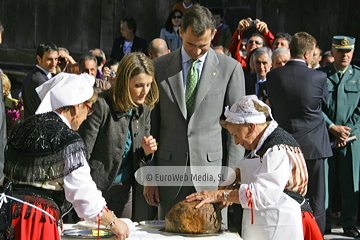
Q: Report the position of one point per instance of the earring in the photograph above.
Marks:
(76, 119)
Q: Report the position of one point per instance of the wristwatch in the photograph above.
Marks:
(226, 193)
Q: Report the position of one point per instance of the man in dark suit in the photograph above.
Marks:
(128, 42)
(47, 55)
(189, 132)
(255, 83)
(296, 94)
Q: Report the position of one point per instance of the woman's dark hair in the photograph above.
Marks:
(168, 24)
(131, 24)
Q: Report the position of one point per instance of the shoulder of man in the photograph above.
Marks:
(36, 75)
(329, 69)
(223, 59)
(357, 68)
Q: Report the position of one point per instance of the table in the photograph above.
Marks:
(145, 233)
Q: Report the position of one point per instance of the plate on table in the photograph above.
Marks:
(85, 224)
(87, 233)
(153, 223)
(193, 234)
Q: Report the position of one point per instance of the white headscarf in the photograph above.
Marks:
(244, 111)
(63, 90)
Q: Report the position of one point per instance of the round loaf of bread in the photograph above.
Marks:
(185, 218)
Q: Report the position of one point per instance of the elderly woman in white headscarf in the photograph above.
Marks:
(274, 166)
(46, 166)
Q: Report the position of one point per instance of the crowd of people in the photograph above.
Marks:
(81, 129)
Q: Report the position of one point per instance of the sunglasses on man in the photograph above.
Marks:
(256, 42)
(178, 17)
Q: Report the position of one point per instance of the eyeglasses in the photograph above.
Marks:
(90, 110)
(178, 17)
(256, 42)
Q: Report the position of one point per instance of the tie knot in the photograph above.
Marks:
(193, 62)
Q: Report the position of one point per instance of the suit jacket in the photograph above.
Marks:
(296, 94)
(200, 140)
(250, 89)
(31, 100)
(139, 45)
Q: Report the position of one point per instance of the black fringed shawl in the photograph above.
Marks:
(38, 148)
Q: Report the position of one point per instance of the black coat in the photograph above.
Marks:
(31, 100)
(250, 83)
(139, 45)
(296, 94)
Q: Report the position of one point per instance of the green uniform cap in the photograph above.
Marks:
(343, 42)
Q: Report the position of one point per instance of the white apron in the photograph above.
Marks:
(277, 222)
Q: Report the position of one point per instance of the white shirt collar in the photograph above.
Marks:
(48, 74)
(220, 25)
(272, 126)
(258, 80)
(186, 7)
(63, 119)
(186, 57)
(297, 60)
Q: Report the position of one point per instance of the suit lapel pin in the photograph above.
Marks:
(213, 74)
(350, 71)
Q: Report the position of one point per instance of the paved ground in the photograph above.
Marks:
(337, 232)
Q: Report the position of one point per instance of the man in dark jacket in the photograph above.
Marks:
(296, 94)
(47, 55)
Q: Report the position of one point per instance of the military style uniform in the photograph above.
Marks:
(343, 108)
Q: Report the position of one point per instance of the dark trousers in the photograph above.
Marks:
(238, 217)
(316, 190)
(119, 199)
(142, 211)
(341, 167)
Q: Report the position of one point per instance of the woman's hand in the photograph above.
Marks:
(120, 229)
(206, 197)
(149, 145)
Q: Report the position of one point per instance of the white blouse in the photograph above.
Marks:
(81, 190)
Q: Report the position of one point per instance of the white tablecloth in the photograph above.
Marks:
(145, 233)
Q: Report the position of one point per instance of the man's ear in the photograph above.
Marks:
(38, 58)
(213, 34)
(180, 32)
(306, 55)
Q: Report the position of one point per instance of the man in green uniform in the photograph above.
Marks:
(342, 115)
